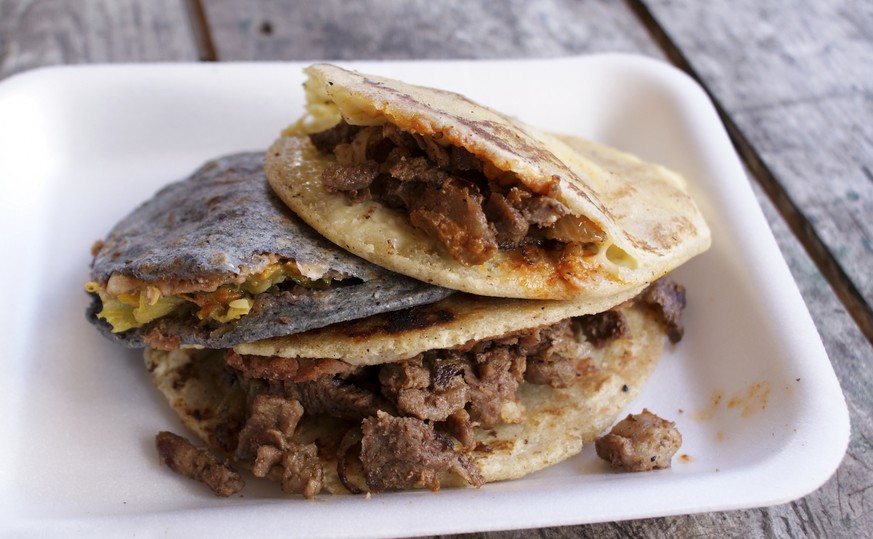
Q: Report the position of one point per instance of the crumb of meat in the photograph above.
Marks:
(197, 463)
(640, 443)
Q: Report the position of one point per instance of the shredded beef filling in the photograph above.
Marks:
(466, 207)
(402, 416)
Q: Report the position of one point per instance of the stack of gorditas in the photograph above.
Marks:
(408, 290)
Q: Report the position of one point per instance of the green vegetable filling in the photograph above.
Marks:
(229, 302)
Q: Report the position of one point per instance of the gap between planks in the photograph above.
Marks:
(202, 32)
(800, 226)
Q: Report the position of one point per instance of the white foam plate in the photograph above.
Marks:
(750, 387)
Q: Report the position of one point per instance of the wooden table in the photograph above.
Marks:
(793, 80)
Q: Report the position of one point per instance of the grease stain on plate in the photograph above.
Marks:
(747, 401)
(752, 400)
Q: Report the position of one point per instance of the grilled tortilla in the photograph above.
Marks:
(449, 323)
(543, 426)
(435, 186)
(216, 260)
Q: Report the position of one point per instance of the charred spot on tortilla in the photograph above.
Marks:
(217, 259)
(412, 319)
(473, 199)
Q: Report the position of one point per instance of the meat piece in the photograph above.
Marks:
(280, 368)
(640, 443)
(601, 328)
(542, 211)
(197, 463)
(398, 194)
(379, 147)
(267, 435)
(556, 371)
(453, 217)
(576, 228)
(539, 343)
(337, 397)
(268, 456)
(461, 427)
(551, 354)
(493, 386)
(436, 154)
(667, 298)
(357, 150)
(349, 178)
(272, 422)
(404, 452)
(395, 377)
(400, 138)
(432, 389)
(328, 139)
(416, 169)
(447, 372)
(302, 472)
(510, 224)
(462, 160)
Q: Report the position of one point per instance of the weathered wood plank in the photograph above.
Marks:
(376, 29)
(795, 78)
(36, 33)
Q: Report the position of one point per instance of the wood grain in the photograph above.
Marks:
(795, 80)
(39, 33)
(378, 29)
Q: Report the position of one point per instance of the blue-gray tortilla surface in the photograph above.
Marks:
(220, 220)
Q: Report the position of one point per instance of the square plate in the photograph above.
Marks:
(750, 387)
